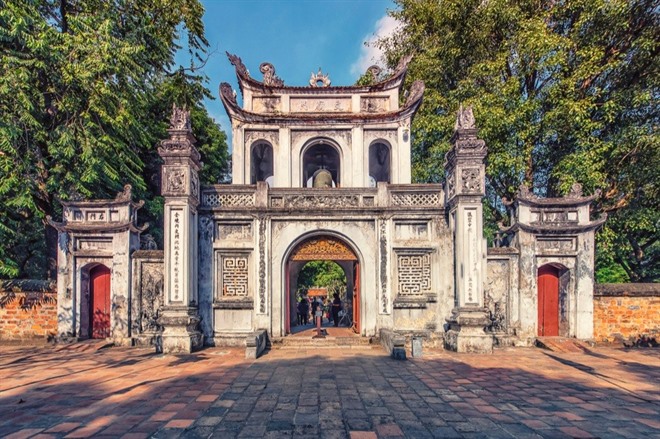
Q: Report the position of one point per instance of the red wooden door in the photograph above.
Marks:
(356, 297)
(548, 284)
(287, 317)
(99, 279)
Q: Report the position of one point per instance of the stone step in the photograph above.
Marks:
(562, 344)
(293, 342)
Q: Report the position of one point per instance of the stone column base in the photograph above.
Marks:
(466, 331)
(181, 332)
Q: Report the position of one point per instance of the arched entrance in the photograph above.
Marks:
(99, 303)
(323, 248)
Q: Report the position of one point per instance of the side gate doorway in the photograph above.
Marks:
(323, 248)
(99, 303)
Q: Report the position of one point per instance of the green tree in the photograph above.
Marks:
(563, 92)
(325, 274)
(86, 88)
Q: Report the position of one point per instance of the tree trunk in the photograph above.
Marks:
(51, 252)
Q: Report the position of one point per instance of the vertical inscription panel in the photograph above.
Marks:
(471, 251)
(177, 257)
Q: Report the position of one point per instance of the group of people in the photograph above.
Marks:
(316, 307)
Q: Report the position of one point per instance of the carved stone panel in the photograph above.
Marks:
(235, 231)
(413, 272)
(411, 230)
(375, 104)
(175, 180)
(556, 245)
(233, 275)
(266, 104)
(471, 180)
(321, 201)
(251, 136)
(103, 244)
(323, 248)
(320, 105)
(150, 296)
(497, 293)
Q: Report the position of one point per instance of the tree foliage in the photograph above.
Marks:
(324, 274)
(563, 92)
(86, 88)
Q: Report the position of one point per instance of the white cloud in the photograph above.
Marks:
(370, 55)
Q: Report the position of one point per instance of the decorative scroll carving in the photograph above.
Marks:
(313, 201)
(176, 179)
(415, 93)
(431, 199)
(180, 119)
(237, 62)
(575, 192)
(147, 242)
(319, 79)
(210, 199)
(124, 195)
(403, 63)
(383, 265)
(262, 265)
(465, 119)
(414, 273)
(374, 72)
(228, 93)
(234, 275)
(270, 78)
(470, 181)
(323, 248)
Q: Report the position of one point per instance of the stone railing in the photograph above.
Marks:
(260, 196)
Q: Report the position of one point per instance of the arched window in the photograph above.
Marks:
(262, 163)
(379, 163)
(319, 160)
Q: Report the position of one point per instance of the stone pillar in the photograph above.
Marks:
(465, 188)
(180, 188)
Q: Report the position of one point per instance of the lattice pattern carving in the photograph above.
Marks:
(414, 274)
(227, 200)
(415, 199)
(234, 276)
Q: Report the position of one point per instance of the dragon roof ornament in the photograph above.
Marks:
(270, 78)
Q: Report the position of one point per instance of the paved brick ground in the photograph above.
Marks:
(521, 393)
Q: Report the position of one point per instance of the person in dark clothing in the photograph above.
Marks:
(336, 307)
(303, 312)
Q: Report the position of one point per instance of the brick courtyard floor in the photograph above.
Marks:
(358, 393)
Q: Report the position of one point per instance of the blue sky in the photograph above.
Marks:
(296, 36)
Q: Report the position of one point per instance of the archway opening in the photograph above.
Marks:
(379, 163)
(262, 163)
(320, 157)
(318, 269)
(552, 285)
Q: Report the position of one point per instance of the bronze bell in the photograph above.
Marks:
(322, 178)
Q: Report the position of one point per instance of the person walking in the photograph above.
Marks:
(336, 307)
